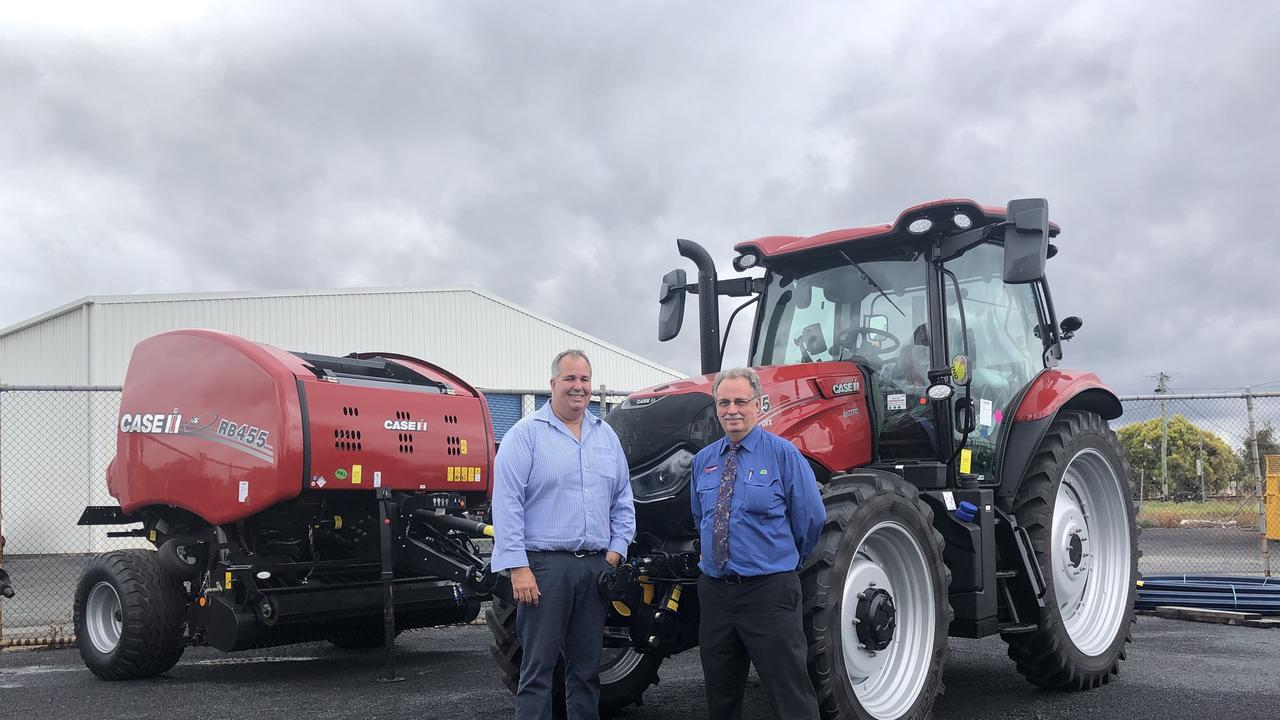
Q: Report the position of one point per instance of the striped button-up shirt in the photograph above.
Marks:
(553, 491)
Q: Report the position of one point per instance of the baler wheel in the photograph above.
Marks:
(1076, 503)
(128, 616)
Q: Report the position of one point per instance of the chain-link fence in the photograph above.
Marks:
(1198, 464)
(55, 445)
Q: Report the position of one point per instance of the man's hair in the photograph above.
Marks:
(741, 372)
(555, 364)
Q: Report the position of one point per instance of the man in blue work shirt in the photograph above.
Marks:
(562, 514)
(759, 513)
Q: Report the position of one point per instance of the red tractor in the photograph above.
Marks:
(972, 486)
(287, 497)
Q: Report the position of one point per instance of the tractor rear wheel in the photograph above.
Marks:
(128, 616)
(624, 673)
(1076, 504)
(876, 610)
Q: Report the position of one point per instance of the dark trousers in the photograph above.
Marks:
(756, 622)
(568, 620)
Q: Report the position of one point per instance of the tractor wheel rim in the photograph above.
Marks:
(1090, 551)
(617, 664)
(888, 682)
(103, 617)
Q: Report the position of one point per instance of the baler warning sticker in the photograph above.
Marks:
(244, 491)
(464, 446)
(463, 475)
(355, 474)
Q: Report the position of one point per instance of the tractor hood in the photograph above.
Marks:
(810, 404)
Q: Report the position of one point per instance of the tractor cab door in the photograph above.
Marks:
(1004, 346)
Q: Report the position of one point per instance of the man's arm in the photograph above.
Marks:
(804, 501)
(511, 470)
(622, 511)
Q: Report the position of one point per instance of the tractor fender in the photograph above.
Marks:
(1050, 393)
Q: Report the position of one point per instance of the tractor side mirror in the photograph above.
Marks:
(1069, 326)
(1026, 240)
(671, 297)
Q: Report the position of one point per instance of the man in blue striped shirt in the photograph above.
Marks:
(562, 514)
(759, 514)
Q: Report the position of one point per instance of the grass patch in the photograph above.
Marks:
(1166, 514)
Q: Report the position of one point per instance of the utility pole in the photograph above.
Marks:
(1200, 467)
(1162, 389)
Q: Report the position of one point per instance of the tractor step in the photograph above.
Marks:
(1017, 628)
(1006, 574)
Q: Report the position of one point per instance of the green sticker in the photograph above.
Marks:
(340, 473)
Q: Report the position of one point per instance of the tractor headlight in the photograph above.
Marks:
(962, 221)
(663, 480)
(746, 260)
(919, 226)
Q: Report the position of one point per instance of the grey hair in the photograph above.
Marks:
(555, 364)
(741, 372)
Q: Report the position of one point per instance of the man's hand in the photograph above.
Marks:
(524, 587)
(612, 558)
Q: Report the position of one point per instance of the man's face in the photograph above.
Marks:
(571, 388)
(737, 407)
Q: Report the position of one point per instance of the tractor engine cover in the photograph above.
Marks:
(225, 428)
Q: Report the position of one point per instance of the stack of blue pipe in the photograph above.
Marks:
(1211, 592)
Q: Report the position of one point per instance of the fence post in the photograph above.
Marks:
(1, 506)
(1257, 478)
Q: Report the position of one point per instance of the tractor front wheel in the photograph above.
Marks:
(624, 673)
(1075, 503)
(128, 616)
(876, 610)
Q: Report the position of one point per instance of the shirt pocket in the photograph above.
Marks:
(762, 496)
(707, 485)
(603, 463)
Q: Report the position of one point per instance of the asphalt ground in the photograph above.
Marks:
(45, 584)
(1175, 670)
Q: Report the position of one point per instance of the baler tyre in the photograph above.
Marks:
(624, 675)
(878, 542)
(128, 615)
(1076, 504)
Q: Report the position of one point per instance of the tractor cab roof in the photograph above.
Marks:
(943, 216)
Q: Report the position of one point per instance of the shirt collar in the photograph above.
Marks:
(748, 443)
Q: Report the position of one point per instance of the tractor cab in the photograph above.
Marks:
(945, 312)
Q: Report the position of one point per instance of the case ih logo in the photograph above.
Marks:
(162, 423)
(844, 388)
(403, 425)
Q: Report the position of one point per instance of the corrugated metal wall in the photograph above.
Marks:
(487, 342)
(52, 352)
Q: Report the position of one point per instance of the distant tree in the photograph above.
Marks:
(1141, 443)
(1268, 444)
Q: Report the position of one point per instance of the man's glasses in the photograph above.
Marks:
(736, 402)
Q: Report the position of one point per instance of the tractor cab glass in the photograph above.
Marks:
(871, 312)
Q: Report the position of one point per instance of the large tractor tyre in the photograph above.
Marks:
(624, 673)
(128, 615)
(1075, 502)
(876, 609)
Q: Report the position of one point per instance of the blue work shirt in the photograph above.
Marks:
(553, 491)
(776, 515)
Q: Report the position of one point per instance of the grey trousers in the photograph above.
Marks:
(569, 620)
(756, 623)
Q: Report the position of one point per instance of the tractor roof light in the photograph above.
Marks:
(962, 221)
(920, 226)
(747, 259)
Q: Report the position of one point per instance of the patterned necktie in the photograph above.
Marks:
(724, 500)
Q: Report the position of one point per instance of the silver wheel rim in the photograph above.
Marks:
(616, 664)
(1090, 551)
(888, 682)
(103, 617)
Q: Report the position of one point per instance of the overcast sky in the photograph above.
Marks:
(550, 153)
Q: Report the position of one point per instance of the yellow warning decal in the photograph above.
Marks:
(464, 447)
(152, 535)
(227, 584)
(450, 477)
(355, 474)
(966, 460)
